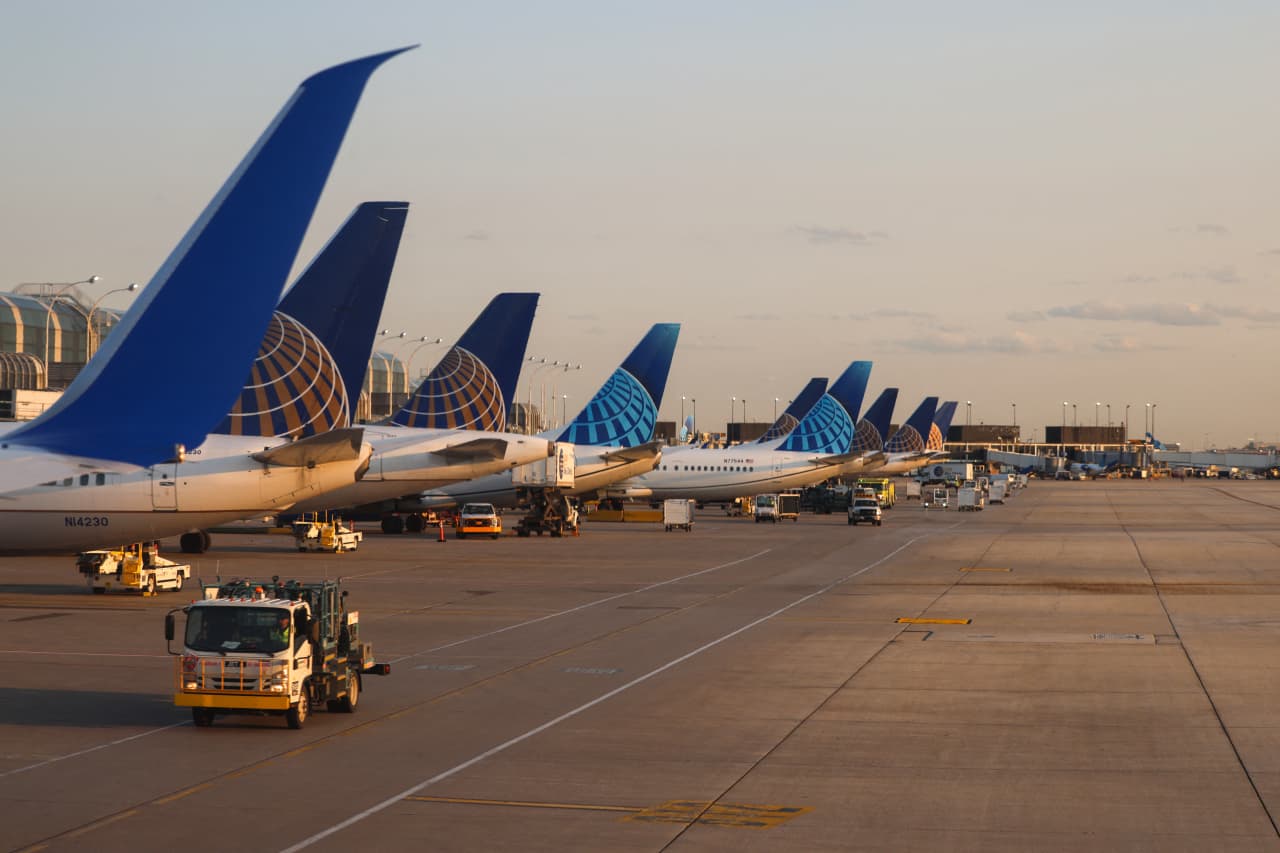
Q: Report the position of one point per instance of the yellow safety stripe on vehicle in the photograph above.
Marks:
(219, 700)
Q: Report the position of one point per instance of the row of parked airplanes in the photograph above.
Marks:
(136, 449)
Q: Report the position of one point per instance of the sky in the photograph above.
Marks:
(1001, 203)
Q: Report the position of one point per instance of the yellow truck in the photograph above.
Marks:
(884, 488)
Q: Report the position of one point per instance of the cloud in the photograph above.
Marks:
(1223, 275)
(477, 235)
(1124, 343)
(759, 318)
(895, 314)
(1166, 314)
(1018, 343)
(1250, 313)
(1140, 279)
(821, 235)
(1212, 230)
(1272, 252)
(1026, 316)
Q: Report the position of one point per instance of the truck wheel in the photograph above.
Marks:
(151, 584)
(414, 523)
(297, 713)
(177, 583)
(522, 532)
(202, 717)
(347, 704)
(393, 525)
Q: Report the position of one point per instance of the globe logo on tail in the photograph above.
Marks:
(461, 393)
(621, 414)
(294, 387)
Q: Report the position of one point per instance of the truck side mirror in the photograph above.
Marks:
(168, 627)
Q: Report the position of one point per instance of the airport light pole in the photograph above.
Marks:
(1075, 417)
(1108, 415)
(1126, 421)
(744, 410)
(681, 415)
(775, 409)
(1153, 424)
(694, 401)
(1096, 407)
(968, 412)
(1015, 413)
(63, 287)
(733, 405)
(421, 342)
(564, 368)
(92, 343)
(1146, 420)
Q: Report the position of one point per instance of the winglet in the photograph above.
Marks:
(624, 412)
(797, 409)
(474, 385)
(207, 307)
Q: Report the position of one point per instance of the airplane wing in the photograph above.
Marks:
(333, 446)
(639, 453)
(476, 448)
(852, 456)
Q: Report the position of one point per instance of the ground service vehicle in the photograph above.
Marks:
(969, 499)
(325, 535)
(766, 508)
(999, 489)
(936, 497)
(479, 519)
(884, 488)
(270, 648)
(914, 490)
(946, 472)
(137, 567)
(789, 506)
(865, 509)
(678, 513)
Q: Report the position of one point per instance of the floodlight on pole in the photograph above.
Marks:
(63, 287)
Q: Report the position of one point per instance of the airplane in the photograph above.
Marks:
(450, 429)
(814, 451)
(905, 451)
(797, 409)
(107, 461)
(612, 435)
(941, 426)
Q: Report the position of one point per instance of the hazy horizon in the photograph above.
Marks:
(993, 202)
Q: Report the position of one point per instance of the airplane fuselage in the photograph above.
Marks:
(706, 474)
(217, 482)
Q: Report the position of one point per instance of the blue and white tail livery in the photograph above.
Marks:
(228, 272)
(797, 409)
(911, 436)
(311, 364)
(828, 427)
(941, 425)
(624, 412)
(873, 428)
(474, 385)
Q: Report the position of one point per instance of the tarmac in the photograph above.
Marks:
(1092, 666)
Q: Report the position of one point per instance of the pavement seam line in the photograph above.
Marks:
(502, 747)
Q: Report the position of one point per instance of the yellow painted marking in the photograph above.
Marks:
(911, 620)
(982, 569)
(524, 804)
(720, 814)
(101, 823)
(673, 811)
(178, 796)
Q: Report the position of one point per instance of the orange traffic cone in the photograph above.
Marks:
(441, 539)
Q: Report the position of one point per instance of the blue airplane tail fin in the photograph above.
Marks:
(941, 425)
(311, 364)
(136, 401)
(474, 385)
(797, 409)
(873, 428)
(851, 386)
(624, 412)
(1154, 444)
(912, 435)
(826, 428)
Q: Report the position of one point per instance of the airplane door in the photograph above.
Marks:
(164, 487)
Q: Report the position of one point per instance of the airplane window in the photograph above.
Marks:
(67, 482)
(84, 479)
(99, 479)
(50, 483)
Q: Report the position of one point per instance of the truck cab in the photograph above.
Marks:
(865, 509)
(269, 648)
(767, 508)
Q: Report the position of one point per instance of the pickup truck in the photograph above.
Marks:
(865, 509)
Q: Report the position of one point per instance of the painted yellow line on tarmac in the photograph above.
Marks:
(982, 569)
(524, 804)
(912, 620)
(720, 814)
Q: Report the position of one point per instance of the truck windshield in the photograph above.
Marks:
(477, 509)
(764, 500)
(238, 629)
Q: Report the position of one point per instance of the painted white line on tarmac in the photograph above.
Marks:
(90, 749)
(439, 777)
(589, 604)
